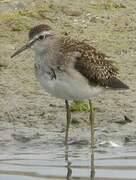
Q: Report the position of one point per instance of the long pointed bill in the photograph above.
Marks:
(26, 46)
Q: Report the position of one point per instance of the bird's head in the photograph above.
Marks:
(39, 36)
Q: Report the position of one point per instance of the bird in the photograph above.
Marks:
(71, 69)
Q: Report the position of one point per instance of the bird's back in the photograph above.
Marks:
(92, 64)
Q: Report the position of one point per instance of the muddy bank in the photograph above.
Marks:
(28, 113)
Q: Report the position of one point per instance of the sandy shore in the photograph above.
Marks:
(27, 111)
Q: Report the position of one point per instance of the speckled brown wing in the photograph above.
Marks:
(92, 64)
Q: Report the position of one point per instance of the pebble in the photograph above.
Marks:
(71, 12)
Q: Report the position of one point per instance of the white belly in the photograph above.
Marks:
(68, 87)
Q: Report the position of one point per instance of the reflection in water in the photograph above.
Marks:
(69, 171)
(69, 168)
(37, 167)
(92, 175)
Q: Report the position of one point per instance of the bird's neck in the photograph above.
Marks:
(49, 54)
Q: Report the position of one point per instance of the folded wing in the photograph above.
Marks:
(92, 64)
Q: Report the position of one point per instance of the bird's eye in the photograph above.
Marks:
(41, 37)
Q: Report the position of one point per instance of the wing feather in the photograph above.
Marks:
(92, 64)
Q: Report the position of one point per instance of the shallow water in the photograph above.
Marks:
(50, 164)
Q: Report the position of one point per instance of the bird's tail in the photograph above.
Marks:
(115, 83)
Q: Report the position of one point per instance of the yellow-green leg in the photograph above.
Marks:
(68, 115)
(91, 118)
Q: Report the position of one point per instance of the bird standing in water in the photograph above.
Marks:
(70, 69)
